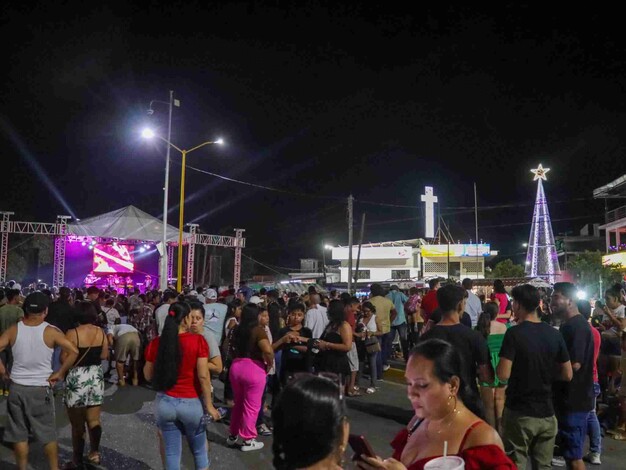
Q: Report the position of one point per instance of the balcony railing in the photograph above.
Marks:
(616, 214)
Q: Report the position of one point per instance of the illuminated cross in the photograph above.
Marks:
(430, 200)
(540, 173)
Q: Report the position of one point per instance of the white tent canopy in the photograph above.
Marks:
(128, 223)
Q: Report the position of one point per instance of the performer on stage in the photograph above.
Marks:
(148, 283)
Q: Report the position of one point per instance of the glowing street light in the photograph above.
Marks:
(149, 134)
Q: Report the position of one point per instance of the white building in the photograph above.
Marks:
(412, 260)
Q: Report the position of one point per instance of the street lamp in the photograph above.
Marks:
(149, 134)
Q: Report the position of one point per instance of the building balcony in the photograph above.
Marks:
(615, 214)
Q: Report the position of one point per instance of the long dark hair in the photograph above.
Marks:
(308, 422)
(169, 354)
(231, 307)
(336, 314)
(490, 313)
(249, 319)
(447, 363)
(498, 286)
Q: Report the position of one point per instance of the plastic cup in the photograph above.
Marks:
(451, 462)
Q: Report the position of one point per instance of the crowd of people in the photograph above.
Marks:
(519, 376)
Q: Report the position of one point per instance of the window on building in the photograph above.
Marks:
(470, 267)
(435, 267)
(400, 274)
(363, 274)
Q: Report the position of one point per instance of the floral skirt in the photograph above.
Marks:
(84, 386)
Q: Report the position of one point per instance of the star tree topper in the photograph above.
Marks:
(540, 173)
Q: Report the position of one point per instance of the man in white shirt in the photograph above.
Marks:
(169, 297)
(316, 318)
(473, 307)
(30, 404)
(214, 314)
(127, 345)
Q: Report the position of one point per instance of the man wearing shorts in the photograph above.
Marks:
(351, 308)
(126, 344)
(30, 405)
(573, 400)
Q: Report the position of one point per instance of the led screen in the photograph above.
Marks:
(113, 259)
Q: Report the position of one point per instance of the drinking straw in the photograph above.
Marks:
(445, 450)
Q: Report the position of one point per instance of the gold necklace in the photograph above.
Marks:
(454, 413)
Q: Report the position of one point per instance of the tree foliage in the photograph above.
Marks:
(506, 268)
(588, 270)
(25, 251)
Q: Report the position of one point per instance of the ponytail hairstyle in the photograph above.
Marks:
(308, 422)
(490, 313)
(447, 363)
(169, 354)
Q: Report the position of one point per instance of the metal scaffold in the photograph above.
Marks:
(61, 231)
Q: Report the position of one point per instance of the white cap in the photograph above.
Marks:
(255, 299)
(211, 294)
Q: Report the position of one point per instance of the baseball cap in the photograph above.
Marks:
(255, 299)
(36, 302)
(211, 294)
(193, 293)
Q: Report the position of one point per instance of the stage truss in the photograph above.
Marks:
(59, 230)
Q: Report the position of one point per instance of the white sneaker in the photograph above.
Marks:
(251, 444)
(370, 390)
(558, 461)
(232, 441)
(593, 458)
(387, 367)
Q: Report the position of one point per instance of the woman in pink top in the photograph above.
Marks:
(499, 296)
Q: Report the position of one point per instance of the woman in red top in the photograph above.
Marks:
(177, 363)
(499, 295)
(446, 410)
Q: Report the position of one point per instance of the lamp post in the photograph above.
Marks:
(148, 134)
(163, 260)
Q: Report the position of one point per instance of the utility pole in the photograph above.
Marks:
(476, 226)
(163, 269)
(358, 255)
(350, 224)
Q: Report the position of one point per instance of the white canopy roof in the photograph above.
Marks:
(128, 223)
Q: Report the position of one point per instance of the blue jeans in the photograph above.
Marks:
(174, 417)
(385, 351)
(402, 333)
(593, 425)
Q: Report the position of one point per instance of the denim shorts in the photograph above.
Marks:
(572, 433)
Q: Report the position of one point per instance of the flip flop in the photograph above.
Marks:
(94, 458)
(619, 436)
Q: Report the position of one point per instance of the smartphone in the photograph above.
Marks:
(360, 446)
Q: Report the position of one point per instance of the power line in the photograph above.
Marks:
(375, 203)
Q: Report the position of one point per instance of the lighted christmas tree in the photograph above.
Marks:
(541, 259)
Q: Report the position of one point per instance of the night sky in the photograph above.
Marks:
(319, 100)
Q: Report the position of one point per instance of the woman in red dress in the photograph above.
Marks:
(446, 410)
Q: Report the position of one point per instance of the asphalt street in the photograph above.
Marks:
(129, 431)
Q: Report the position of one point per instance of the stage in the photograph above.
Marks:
(111, 265)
